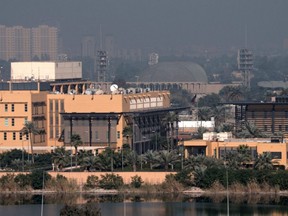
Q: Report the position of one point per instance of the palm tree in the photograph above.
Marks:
(132, 159)
(166, 158)
(75, 142)
(264, 162)
(29, 129)
(150, 158)
(60, 158)
(169, 121)
(128, 133)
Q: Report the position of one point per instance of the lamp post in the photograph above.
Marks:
(227, 189)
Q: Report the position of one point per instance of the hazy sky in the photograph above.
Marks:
(157, 23)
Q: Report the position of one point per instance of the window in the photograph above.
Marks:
(25, 107)
(27, 137)
(14, 136)
(13, 122)
(6, 123)
(276, 155)
(25, 120)
(20, 136)
(6, 108)
(12, 108)
(280, 127)
(5, 136)
(118, 134)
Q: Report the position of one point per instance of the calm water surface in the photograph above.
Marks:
(149, 205)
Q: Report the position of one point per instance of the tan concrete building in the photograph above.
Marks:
(99, 119)
(278, 150)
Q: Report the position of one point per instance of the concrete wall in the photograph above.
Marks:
(147, 177)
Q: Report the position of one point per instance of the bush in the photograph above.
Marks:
(23, 181)
(7, 183)
(136, 181)
(111, 181)
(37, 178)
(92, 182)
(61, 183)
(171, 185)
(185, 177)
(88, 209)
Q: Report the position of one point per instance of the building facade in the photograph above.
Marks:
(99, 119)
(24, 44)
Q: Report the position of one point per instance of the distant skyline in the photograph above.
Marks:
(161, 24)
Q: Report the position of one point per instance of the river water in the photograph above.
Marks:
(148, 205)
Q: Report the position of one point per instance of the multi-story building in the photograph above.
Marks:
(88, 47)
(98, 118)
(23, 44)
(15, 43)
(45, 42)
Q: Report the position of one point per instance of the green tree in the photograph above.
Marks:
(76, 142)
(60, 158)
(150, 158)
(136, 181)
(111, 181)
(132, 159)
(264, 162)
(29, 129)
(166, 158)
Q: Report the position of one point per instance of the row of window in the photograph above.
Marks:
(5, 136)
(280, 128)
(266, 114)
(6, 122)
(96, 135)
(6, 107)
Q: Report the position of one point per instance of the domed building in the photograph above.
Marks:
(174, 72)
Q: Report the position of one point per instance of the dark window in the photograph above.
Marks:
(13, 122)
(276, 155)
(5, 136)
(6, 107)
(14, 136)
(12, 107)
(20, 136)
(25, 107)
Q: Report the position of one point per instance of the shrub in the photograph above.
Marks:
(92, 182)
(88, 209)
(111, 181)
(7, 182)
(23, 181)
(171, 185)
(37, 178)
(61, 183)
(185, 177)
(136, 181)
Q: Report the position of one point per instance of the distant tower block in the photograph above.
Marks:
(102, 63)
(245, 65)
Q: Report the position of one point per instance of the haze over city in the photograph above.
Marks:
(161, 24)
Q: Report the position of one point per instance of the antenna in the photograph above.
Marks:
(100, 37)
(246, 36)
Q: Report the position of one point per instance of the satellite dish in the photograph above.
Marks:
(113, 87)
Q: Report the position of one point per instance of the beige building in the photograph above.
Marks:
(278, 150)
(98, 118)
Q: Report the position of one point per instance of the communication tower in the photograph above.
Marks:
(245, 65)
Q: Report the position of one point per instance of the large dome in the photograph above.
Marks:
(174, 72)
